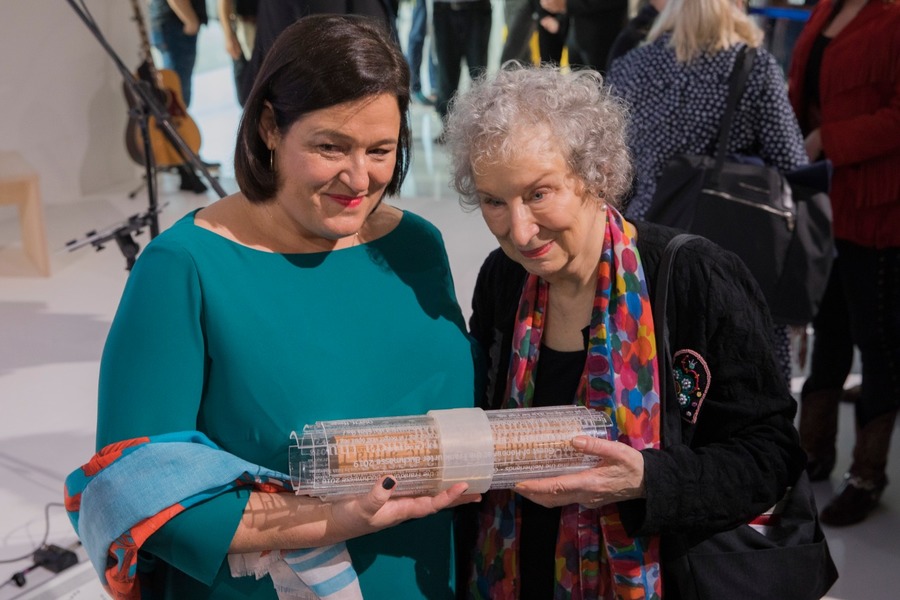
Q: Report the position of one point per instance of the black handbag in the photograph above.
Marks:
(789, 562)
(780, 225)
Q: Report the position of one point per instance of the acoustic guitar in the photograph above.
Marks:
(167, 87)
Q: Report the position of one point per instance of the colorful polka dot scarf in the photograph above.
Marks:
(595, 558)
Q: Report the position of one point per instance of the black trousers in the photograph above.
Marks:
(862, 308)
(462, 30)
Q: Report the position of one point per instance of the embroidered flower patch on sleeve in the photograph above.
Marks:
(691, 382)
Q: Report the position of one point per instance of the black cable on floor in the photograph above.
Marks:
(43, 541)
(52, 557)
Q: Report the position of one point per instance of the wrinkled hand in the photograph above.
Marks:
(358, 515)
(619, 476)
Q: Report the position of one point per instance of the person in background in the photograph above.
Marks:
(523, 19)
(676, 87)
(274, 16)
(845, 88)
(636, 30)
(302, 297)
(552, 30)
(593, 27)
(238, 20)
(518, 16)
(174, 27)
(415, 49)
(462, 31)
(562, 312)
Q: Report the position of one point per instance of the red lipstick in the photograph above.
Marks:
(537, 252)
(348, 201)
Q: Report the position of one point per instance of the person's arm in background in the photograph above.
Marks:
(186, 13)
(864, 137)
(226, 16)
(772, 117)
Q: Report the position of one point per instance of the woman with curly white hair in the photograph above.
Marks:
(562, 315)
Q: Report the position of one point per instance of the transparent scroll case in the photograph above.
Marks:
(429, 453)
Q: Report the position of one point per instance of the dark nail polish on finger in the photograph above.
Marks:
(388, 483)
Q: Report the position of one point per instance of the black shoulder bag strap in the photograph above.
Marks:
(671, 423)
(802, 548)
(740, 72)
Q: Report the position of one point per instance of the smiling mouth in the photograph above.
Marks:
(348, 201)
(537, 252)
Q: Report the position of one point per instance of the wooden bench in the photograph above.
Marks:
(19, 184)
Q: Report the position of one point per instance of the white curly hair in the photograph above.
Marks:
(583, 119)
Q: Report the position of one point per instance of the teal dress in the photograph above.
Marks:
(247, 346)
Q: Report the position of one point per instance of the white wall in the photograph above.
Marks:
(61, 100)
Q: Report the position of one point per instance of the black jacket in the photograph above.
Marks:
(741, 450)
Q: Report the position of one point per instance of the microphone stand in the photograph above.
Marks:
(147, 105)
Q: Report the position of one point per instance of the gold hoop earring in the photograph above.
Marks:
(272, 159)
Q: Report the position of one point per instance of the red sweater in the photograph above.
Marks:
(860, 103)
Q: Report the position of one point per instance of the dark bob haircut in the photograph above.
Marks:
(318, 62)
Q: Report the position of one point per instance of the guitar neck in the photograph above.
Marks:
(146, 54)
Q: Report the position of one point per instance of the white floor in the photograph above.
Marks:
(52, 331)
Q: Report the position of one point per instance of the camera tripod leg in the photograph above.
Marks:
(138, 189)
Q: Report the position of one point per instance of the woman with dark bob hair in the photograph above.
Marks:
(303, 297)
(562, 311)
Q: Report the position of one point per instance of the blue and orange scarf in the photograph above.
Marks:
(595, 558)
(130, 489)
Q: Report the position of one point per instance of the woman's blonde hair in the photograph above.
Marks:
(705, 26)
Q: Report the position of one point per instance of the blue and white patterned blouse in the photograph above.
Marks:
(676, 108)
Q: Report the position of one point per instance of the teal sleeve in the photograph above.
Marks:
(197, 540)
(151, 382)
(152, 369)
